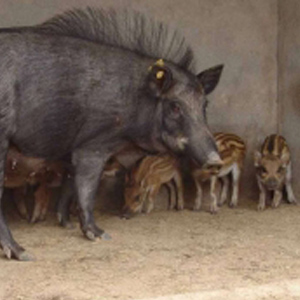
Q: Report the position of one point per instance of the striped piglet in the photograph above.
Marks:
(274, 170)
(145, 179)
(232, 151)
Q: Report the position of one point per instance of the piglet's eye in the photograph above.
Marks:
(263, 170)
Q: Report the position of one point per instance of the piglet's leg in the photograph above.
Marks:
(262, 196)
(88, 168)
(179, 189)
(20, 201)
(225, 187)
(199, 194)
(236, 175)
(213, 195)
(149, 203)
(288, 184)
(41, 202)
(277, 198)
(172, 194)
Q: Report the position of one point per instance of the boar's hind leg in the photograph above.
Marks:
(88, 168)
(8, 244)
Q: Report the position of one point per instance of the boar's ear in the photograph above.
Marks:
(159, 79)
(210, 78)
(257, 158)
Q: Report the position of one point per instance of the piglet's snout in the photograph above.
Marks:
(272, 183)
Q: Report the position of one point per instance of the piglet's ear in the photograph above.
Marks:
(210, 78)
(285, 158)
(160, 79)
(257, 158)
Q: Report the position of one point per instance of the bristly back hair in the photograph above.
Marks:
(126, 29)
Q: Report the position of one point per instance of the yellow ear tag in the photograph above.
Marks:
(160, 74)
(160, 63)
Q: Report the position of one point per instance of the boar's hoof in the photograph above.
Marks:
(105, 236)
(93, 232)
(64, 222)
(25, 256)
(18, 254)
(67, 224)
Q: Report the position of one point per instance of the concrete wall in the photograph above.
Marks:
(241, 34)
(289, 78)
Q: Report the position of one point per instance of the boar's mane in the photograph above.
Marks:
(129, 30)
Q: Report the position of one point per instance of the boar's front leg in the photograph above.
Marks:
(10, 247)
(88, 168)
(65, 202)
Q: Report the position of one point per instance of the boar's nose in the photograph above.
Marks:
(214, 160)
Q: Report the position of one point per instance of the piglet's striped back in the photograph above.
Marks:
(152, 167)
(275, 145)
(230, 146)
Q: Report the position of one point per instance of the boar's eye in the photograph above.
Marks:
(281, 169)
(175, 108)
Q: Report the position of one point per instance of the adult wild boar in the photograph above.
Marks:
(90, 81)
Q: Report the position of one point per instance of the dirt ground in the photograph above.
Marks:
(236, 254)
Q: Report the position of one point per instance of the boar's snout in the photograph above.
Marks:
(214, 160)
(203, 149)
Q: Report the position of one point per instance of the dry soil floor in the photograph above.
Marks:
(236, 254)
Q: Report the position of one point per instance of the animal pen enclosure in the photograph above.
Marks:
(238, 254)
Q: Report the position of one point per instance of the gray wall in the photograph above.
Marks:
(241, 34)
(289, 79)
